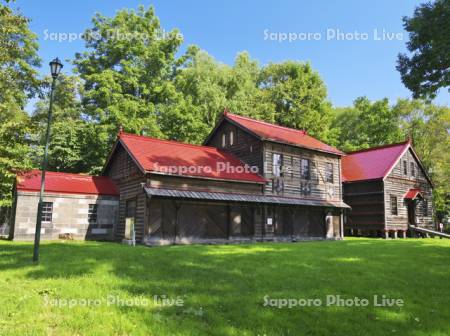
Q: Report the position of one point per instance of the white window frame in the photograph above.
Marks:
(231, 136)
(276, 164)
(224, 140)
(46, 212)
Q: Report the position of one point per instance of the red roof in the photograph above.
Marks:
(282, 134)
(372, 163)
(176, 158)
(67, 183)
(412, 194)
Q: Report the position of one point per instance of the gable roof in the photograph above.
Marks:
(66, 183)
(413, 193)
(271, 132)
(375, 163)
(175, 158)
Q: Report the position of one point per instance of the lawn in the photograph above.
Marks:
(91, 288)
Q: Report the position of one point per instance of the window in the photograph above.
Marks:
(305, 169)
(224, 140)
(425, 207)
(405, 167)
(231, 138)
(276, 164)
(394, 208)
(413, 169)
(47, 212)
(130, 210)
(92, 213)
(329, 172)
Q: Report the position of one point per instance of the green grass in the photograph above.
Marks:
(223, 288)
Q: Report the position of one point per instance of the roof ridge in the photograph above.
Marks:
(149, 138)
(379, 147)
(303, 132)
(59, 173)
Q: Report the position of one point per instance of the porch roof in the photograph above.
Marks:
(247, 198)
(413, 193)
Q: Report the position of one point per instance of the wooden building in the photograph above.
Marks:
(251, 180)
(388, 190)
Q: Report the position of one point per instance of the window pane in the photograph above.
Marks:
(276, 164)
(47, 211)
(92, 214)
(130, 209)
(231, 138)
(405, 167)
(329, 172)
(305, 169)
(394, 210)
(224, 140)
(425, 207)
(413, 169)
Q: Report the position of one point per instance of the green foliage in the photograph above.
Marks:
(428, 67)
(298, 95)
(18, 81)
(126, 73)
(368, 124)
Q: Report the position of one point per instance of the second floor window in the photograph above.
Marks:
(413, 169)
(425, 207)
(224, 140)
(276, 164)
(405, 167)
(47, 212)
(231, 138)
(394, 208)
(305, 169)
(92, 213)
(329, 172)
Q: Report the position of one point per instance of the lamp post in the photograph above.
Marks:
(55, 69)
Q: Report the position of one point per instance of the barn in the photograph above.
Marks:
(389, 191)
(249, 181)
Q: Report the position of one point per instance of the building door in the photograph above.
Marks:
(130, 217)
(412, 212)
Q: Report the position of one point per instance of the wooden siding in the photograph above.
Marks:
(294, 185)
(397, 184)
(129, 179)
(196, 184)
(246, 147)
(367, 202)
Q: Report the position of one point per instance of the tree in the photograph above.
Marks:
(429, 127)
(18, 82)
(67, 150)
(428, 68)
(299, 97)
(127, 72)
(367, 124)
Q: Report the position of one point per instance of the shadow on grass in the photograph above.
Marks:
(224, 286)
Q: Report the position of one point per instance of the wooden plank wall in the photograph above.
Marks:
(186, 183)
(367, 202)
(398, 184)
(294, 185)
(128, 178)
(246, 147)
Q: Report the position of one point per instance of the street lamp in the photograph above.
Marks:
(55, 69)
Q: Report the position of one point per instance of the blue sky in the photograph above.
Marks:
(350, 68)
